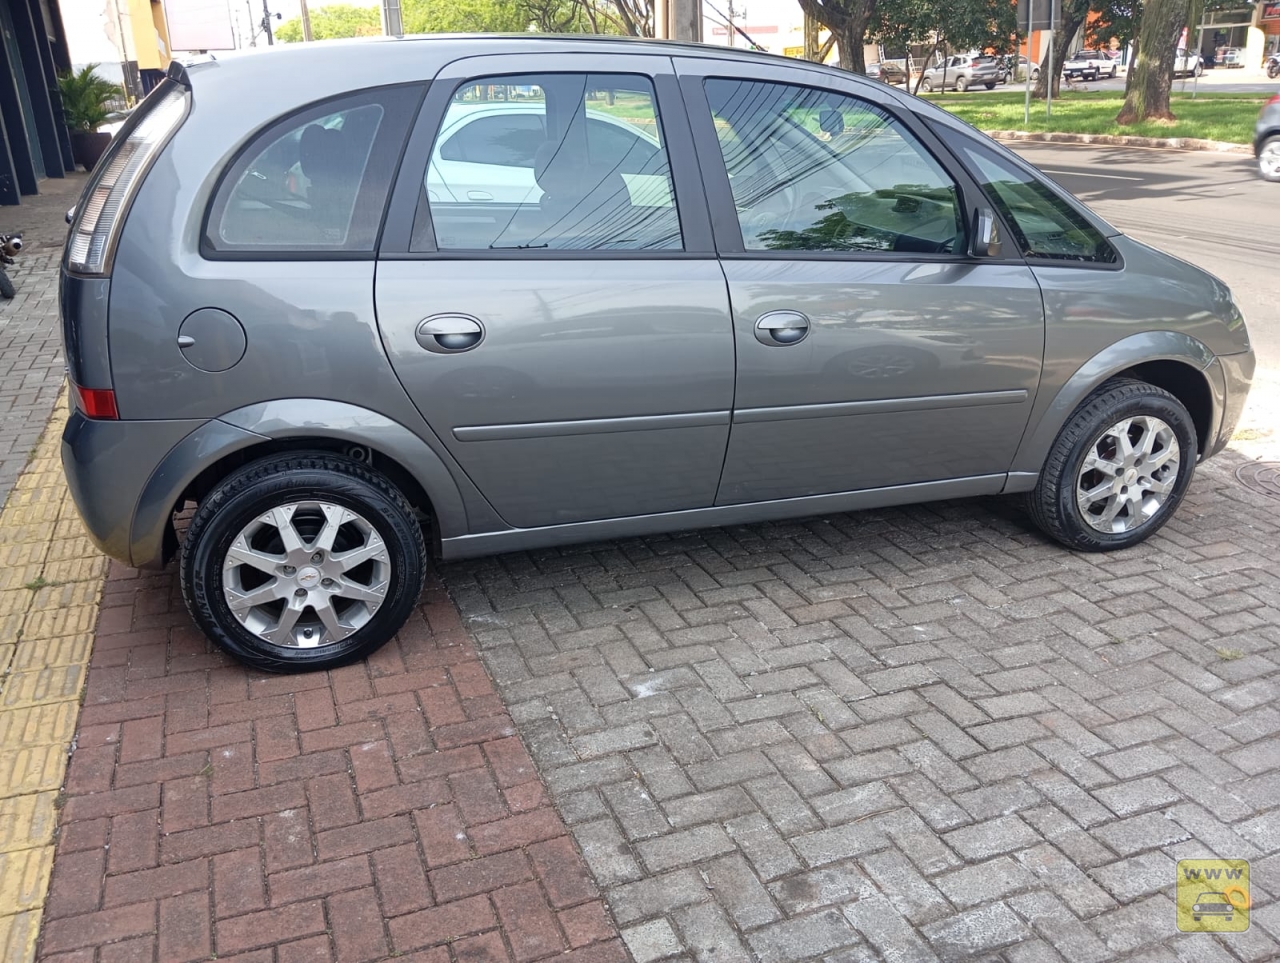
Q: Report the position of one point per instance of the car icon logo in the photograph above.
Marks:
(1212, 904)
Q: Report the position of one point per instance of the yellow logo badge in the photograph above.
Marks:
(1213, 895)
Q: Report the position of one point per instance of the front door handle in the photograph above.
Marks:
(778, 329)
(449, 333)
(479, 196)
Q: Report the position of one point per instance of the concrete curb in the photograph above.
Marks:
(1121, 140)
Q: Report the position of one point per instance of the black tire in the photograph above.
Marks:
(271, 482)
(1052, 504)
(991, 86)
(7, 290)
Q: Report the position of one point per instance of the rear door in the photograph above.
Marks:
(562, 325)
(873, 350)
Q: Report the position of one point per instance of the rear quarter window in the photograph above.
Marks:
(315, 182)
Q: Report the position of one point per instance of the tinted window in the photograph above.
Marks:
(568, 162)
(813, 170)
(1044, 224)
(505, 140)
(315, 182)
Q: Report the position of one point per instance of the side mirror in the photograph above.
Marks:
(986, 236)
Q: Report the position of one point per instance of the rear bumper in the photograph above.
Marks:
(109, 465)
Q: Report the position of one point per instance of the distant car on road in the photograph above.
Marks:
(1232, 57)
(1010, 67)
(962, 73)
(1266, 140)
(1088, 65)
(1190, 64)
(888, 71)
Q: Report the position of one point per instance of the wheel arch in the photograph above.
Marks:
(1176, 362)
(218, 447)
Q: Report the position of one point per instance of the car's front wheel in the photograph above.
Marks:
(1269, 159)
(927, 85)
(1118, 469)
(302, 561)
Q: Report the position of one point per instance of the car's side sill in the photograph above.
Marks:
(517, 539)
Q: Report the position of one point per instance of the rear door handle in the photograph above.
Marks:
(777, 329)
(449, 333)
(479, 196)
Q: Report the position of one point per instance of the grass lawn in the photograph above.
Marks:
(1216, 116)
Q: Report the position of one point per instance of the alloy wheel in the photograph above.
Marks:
(1127, 474)
(1269, 159)
(306, 574)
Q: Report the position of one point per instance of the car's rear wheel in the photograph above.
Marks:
(1118, 469)
(991, 86)
(1199, 71)
(302, 561)
(962, 84)
(1269, 158)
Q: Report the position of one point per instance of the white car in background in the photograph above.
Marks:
(1190, 64)
(486, 151)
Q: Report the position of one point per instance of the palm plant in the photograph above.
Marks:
(85, 97)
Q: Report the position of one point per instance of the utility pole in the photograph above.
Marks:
(253, 34)
(306, 21)
(732, 13)
(686, 17)
(266, 24)
(392, 22)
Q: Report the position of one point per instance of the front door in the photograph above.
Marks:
(560, 324)
(873, 350)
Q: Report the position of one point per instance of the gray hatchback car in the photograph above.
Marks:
(358, 320)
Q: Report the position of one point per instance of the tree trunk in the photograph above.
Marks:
(849, 43)
(1072, 18)
(1151, 76)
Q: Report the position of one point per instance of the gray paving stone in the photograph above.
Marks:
(962, 738)
(976, 931)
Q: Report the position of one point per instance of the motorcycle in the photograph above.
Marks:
(10, 245)
(1273, 66)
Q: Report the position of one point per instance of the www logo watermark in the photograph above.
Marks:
(1213, 895)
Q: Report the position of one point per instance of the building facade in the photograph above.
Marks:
(34, 142)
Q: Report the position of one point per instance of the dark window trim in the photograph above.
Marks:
(385, 141)
(719, 192)
(410, 216)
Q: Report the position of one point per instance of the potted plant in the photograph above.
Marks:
(85, 97)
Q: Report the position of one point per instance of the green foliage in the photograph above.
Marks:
(464, 16)
(1117, 19)
(85, 97)
(334, 23)
(1222, 117)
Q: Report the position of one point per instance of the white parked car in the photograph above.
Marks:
(476, 138)
(1188, 63)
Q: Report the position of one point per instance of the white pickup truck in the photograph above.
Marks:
(1088, 65)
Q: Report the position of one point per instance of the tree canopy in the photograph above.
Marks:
(333, 23)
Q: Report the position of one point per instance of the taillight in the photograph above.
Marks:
(975, 64)
(103, 206)
(1274, 100)
(98, 403)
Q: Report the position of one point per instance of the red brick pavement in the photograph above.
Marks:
(385, 810)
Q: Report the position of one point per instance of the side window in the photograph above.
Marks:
(572, 162)
(1044, 224)
(314, 182)
(814, 170)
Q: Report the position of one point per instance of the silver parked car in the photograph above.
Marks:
(962, 73)
(455, 296)
(1266, 140)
